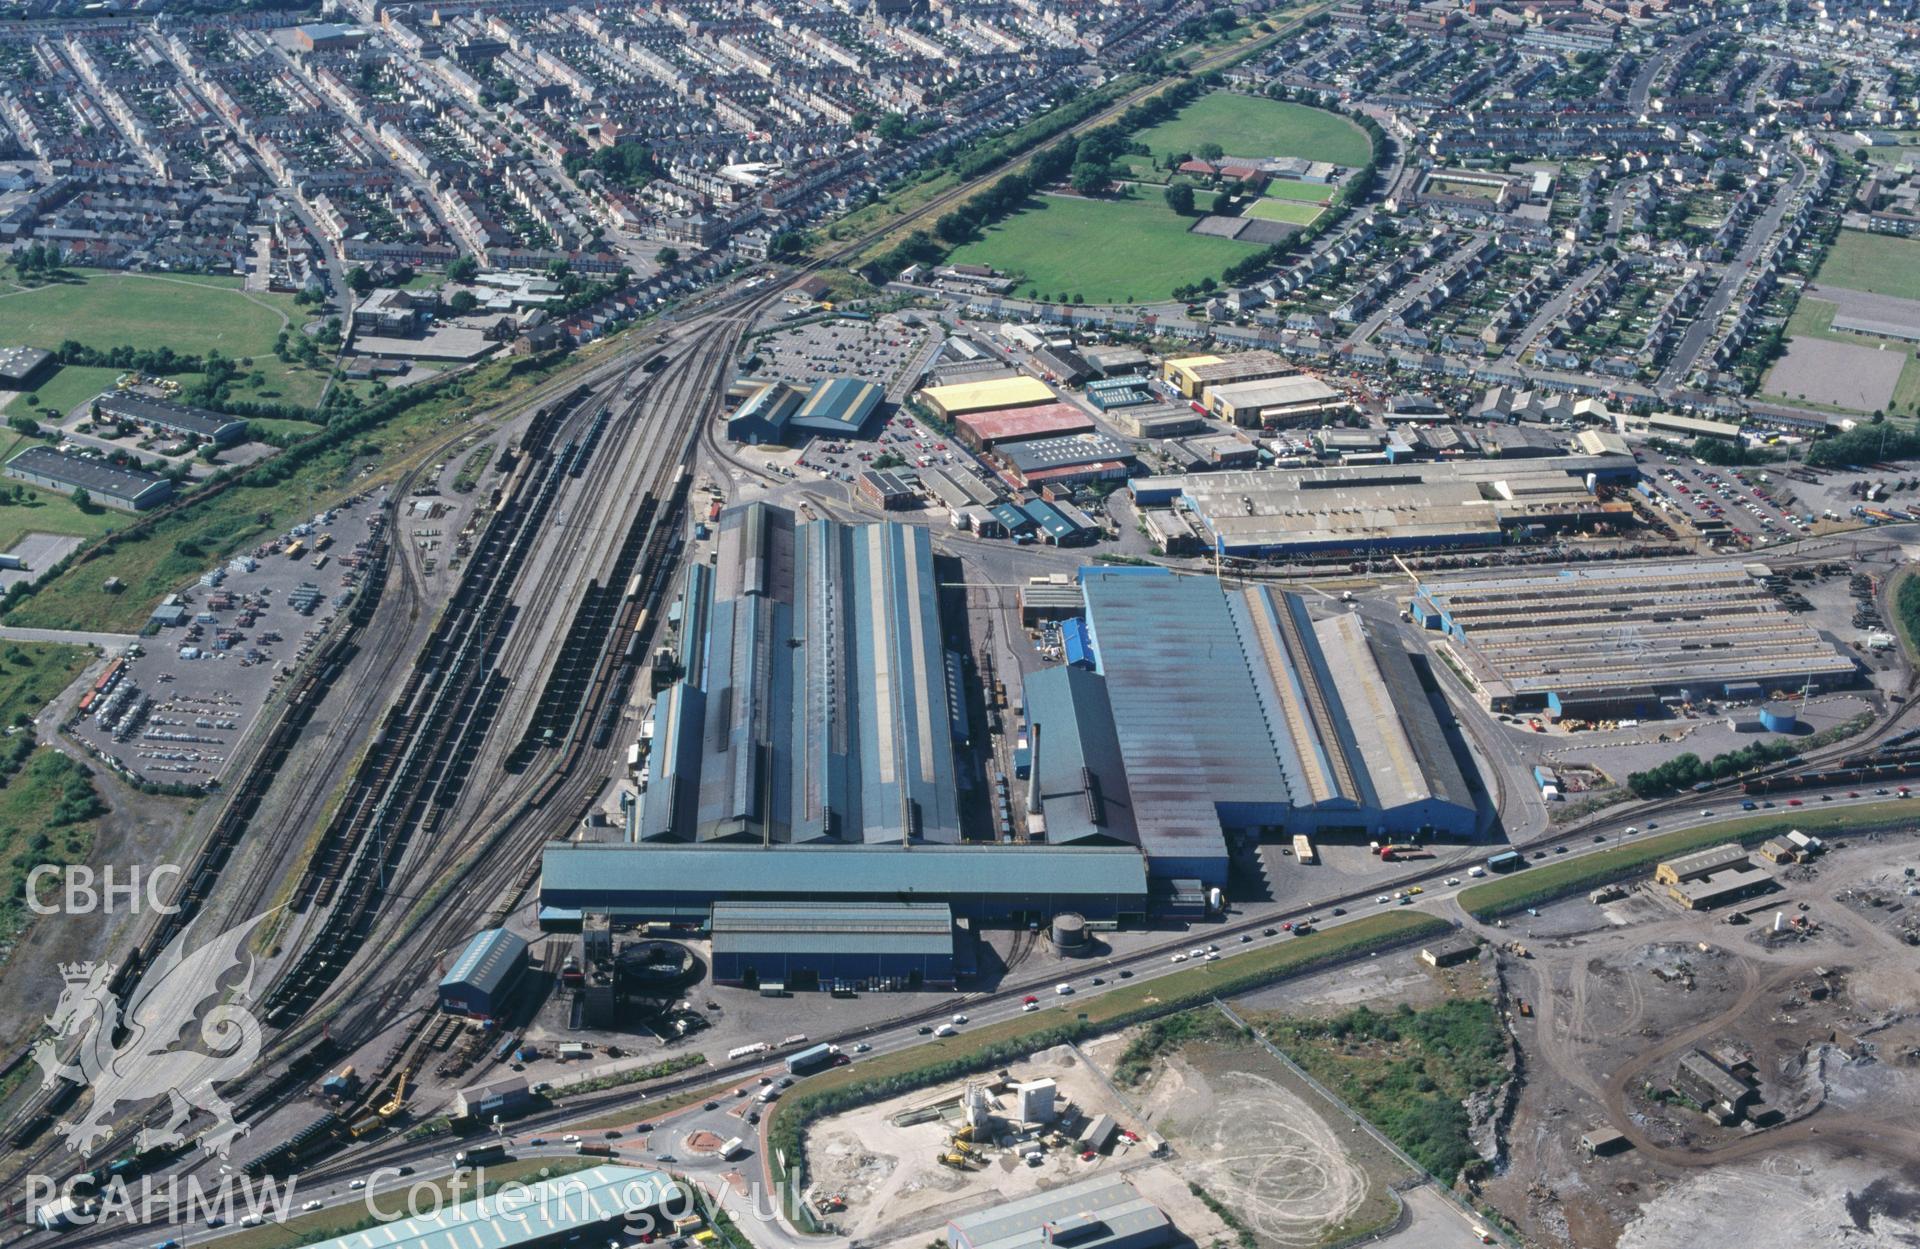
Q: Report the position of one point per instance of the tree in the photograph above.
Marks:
(463, 302)
(463, 269)
(83, 500)
(954, 227)
(1089, 178)
(1180, 198)
(359, 279)
(24, 424)
(1211, 151)
(668, 255)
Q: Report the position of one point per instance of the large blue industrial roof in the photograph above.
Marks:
(1197, 748)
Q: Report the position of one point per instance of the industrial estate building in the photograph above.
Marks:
(1617, 640)
(1274, 401)
(485, 975)
(1066, 460)
(983, 431)
(952, 402)
(176, 419)
(22, 368)
(1105, 1213)
(1709, 878)
(1194, 375)
(561, 1211)
(129, 489)
(840, 407)
(906, 945)
(1387, 507)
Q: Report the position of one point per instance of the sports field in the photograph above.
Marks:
(1880, 263)
(1121, 250)
(1245, 125)
(1308, 192)
(191, 313)
(1283, 210)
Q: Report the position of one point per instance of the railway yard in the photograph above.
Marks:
(1407, 739)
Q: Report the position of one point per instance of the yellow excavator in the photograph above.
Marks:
(398, 1102)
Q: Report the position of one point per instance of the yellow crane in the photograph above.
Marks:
(399, 1100)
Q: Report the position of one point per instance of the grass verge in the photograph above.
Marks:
(1546, 881)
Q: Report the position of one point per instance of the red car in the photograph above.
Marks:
(1028, 1000)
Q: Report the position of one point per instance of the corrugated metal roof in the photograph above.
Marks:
(1099, 1211)
(601, 874)
(521, 1216)
(1078, 770)
(487, 960)
(821, 710)
(1008, 424)
(1189, 725)
(1070, 449)
(833, 928)
(838, 404)
(996, 392)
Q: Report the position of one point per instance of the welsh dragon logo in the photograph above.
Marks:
(145, 1064)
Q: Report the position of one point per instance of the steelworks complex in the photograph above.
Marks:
(813, 751)
(1620, 639)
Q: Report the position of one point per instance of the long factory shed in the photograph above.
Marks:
(1614, 639)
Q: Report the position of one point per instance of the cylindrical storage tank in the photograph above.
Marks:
(1779, 718)
(1069, 934)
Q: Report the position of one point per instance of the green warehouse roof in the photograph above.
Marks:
(538, 1212)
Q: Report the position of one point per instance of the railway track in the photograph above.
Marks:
(495, 872)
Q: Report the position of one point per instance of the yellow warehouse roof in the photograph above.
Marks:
(1184, 363)
(999, 392)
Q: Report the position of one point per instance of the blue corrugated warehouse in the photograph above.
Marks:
(483, 977)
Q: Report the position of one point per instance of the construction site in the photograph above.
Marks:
(1773, 1040)
(1221, 1116)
